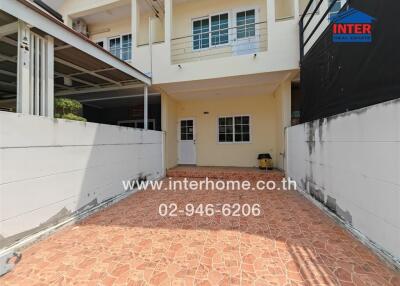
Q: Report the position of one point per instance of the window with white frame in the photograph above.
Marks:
(234, 129)
(187, 131)
(121, 46)
(201, 34)
(219, 29)
(114, 45)
(246, 24)
(216, 25)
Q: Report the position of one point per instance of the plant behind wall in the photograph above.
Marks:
(68, 109)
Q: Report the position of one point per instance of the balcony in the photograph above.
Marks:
(228, 42)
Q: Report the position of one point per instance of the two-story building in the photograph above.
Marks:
(206, 83)
(224, 70)
(224, 75)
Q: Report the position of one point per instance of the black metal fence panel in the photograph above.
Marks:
(339, 77)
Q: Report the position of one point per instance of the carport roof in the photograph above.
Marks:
(88, 66)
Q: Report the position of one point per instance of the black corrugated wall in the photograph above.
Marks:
(338, 77)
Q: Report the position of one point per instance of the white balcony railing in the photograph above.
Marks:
(235, 41)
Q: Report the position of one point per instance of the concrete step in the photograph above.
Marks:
(225, 173)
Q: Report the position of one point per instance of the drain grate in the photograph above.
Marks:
(8, 262)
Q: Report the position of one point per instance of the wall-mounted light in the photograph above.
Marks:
(179, 66)
(255, 55)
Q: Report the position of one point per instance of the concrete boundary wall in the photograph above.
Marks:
(351, 164)
(53, 169)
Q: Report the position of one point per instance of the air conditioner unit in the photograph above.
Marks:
(80, 26)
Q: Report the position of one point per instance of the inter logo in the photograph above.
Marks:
(352, 26)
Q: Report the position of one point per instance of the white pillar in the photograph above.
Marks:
(23, 70)
(283, 95)
(134, 25)
(146, 107)
(270, 12)
(271, 29)
(168, 6)
(151, 45)
(287, 103)
(49, 94)
(164, 169)
(297, 10)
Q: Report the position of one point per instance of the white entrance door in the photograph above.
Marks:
(187, 142)
(246, 32)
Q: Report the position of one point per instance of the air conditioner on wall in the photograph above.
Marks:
(80, 26)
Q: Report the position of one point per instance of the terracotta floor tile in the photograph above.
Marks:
(291, 243)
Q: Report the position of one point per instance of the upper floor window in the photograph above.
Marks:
(219, 29)
(121, 46)
(246, 24)
(201, 34)
(234, 129)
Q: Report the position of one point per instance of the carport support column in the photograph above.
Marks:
(23, 68)
(49, 80)
(146, 108)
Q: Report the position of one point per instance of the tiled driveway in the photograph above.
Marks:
(291, 243)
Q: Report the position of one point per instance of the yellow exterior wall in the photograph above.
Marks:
(124, 26)
(143, 28)
(262, 111)
(284, 9)
(78, 8)
(157, 29)
(115, 29)
(302, 5)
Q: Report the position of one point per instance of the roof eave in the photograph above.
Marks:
(34, 16)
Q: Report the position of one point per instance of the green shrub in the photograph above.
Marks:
(66, 108)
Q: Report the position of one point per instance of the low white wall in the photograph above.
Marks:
(50, 169)
(351, 163)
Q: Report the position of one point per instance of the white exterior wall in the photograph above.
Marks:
(353, 161)
(51, 168)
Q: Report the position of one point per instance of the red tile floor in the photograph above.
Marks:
(291, 243)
